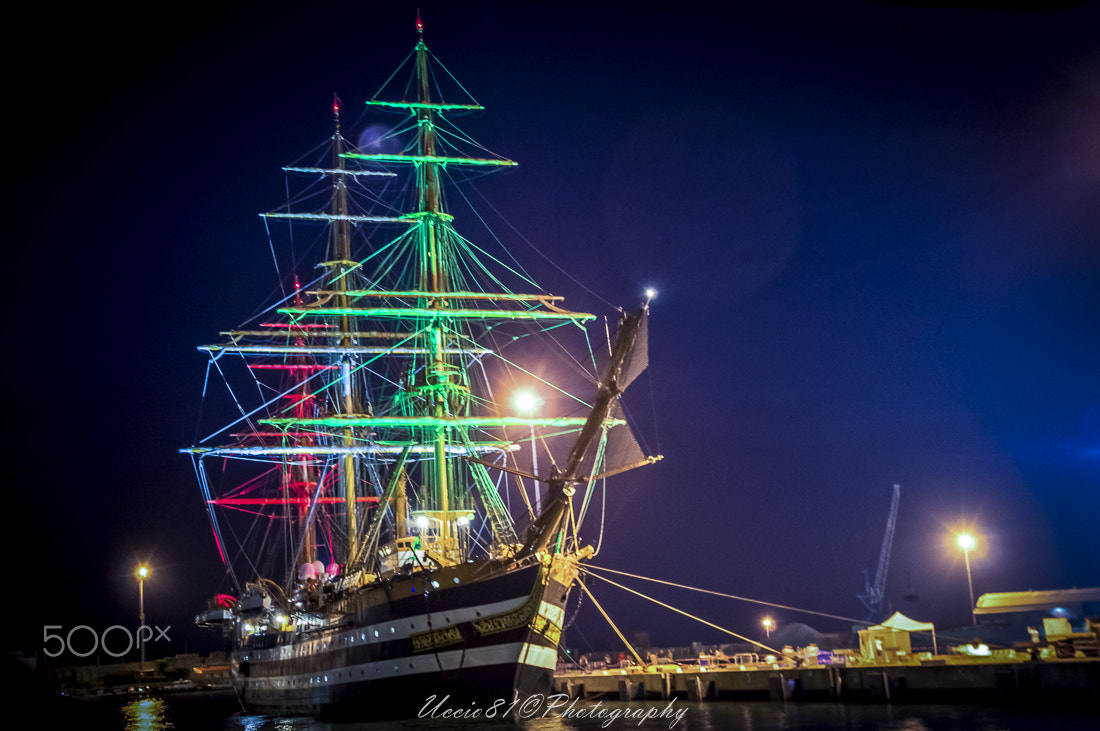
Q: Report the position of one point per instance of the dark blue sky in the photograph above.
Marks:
(875, 230)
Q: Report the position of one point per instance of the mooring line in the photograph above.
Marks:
(679, 611)
(620, 634)
(729, 596)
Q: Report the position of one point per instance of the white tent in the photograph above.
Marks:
(900, 623)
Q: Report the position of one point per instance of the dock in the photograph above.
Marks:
(942, 680)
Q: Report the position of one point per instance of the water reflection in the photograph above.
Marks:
(183, 712)
(246, 722)
(145, 714)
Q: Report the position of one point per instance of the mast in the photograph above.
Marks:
(433, 279)
(302, 470)
(341, 266)
(434, 404)
(548, 524)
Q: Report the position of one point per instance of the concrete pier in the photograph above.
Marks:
(941, 680)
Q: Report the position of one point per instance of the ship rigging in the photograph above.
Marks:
(360, 497)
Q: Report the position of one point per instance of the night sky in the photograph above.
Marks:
(875, 230)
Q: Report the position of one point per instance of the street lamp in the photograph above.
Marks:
(142, 573)
(768, 623)
(528, 403)
(966, 542)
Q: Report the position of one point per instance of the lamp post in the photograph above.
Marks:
(528, 403)
(768, 623)
(142, 572)
(966, 542)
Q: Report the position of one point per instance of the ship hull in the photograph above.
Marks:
(413, 646)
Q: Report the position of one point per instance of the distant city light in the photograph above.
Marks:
(142, 572)
(966, 542)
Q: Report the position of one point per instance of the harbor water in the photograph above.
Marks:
(220, 712)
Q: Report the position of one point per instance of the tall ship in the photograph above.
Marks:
(394, 523)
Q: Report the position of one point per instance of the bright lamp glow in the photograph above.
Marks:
(966, 541)
(526, 402)
(143, 571)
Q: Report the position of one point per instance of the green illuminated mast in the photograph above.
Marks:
(432, 278)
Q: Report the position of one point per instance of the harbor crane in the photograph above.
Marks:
(873, 592)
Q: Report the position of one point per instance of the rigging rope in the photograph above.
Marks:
(274, 258)
(620, 634)
(540, 252)
(603, 516)
(727, 596)
(678, 611)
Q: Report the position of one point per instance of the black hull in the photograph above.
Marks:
(392, 651)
